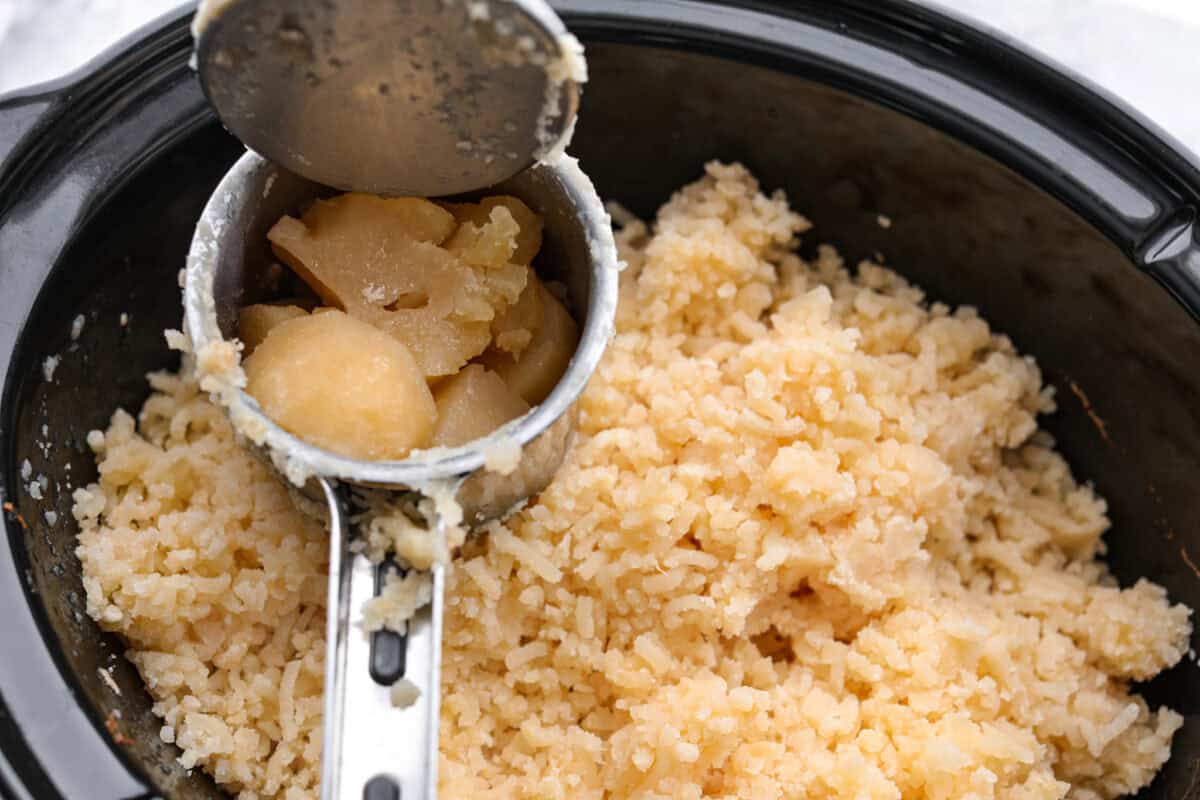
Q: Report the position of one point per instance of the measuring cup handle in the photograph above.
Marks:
(373, 750)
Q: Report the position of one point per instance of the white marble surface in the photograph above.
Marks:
(1144, 51)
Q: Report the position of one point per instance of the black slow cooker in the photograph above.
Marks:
(1069, 221)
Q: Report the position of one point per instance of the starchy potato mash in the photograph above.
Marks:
(810, 543)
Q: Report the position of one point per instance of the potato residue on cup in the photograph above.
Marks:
(810, 543)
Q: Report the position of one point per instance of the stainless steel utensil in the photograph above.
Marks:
(406, 97)
(409, 97)
(365, 736)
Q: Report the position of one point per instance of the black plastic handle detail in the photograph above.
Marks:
(388, 648)
(381, 787)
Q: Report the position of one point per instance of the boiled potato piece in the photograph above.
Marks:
(381, 261)
(529, 237)
(489, 243)
(513, 330)
(412, 217)
(348, 248)
(441, 346)
(490, 246)
(343, 385)
(536, 372)
(471, 405)
(255, 321)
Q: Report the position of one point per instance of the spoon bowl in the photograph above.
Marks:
(404, 97)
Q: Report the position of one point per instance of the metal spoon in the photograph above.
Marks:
(419, 97)
(403, 97)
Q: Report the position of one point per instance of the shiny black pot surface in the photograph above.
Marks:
(1012, 187)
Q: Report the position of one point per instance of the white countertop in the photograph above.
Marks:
(1144, 51)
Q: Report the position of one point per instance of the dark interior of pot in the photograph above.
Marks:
(1123, 356)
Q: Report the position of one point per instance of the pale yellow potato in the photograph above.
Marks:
(441, 346)
(489, 246)
(537, 370)
(490, 242)
(512, 331)
(254, 322)
(383, 261)
(472, 404)
(343, 385)
(414, 217)
(529, 238)
(348, 248)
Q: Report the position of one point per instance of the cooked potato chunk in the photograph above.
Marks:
(513, 330)
(412, 291)
(542, 362)
(349, 248)
(413, 217)
(529, 237)
(489, 243)
(382, 262)
(343, 385)
(471, 405)
(255, 321)
(441, 346)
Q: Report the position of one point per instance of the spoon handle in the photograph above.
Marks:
(373, 750)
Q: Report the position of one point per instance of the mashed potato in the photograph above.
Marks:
(810, 543)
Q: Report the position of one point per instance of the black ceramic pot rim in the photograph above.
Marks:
(1118, 171)
(1092, 151)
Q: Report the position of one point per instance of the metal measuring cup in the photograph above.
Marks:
(372, 749)
(416, 97)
